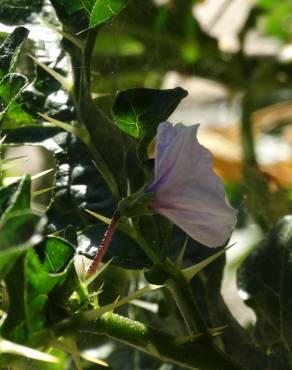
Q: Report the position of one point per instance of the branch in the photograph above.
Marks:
(165, 347)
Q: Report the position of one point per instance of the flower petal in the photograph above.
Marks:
(187, 190)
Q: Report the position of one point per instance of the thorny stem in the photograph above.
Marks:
(165, 347)
(182, 295)
(104, 244)
(177, 285)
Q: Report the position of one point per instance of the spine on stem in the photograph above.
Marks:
(104, 244)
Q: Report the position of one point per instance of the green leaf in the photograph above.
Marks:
(18, 232)
(14, 327)
(265, 277)
(20, 198)
(30, 284)
(10, 49)
(11, 86)
(103, 10)
(266, 3)
(78, 184)
(45, 269)
(6, 194)
(20, 228)
(11, 113)
(88, 4)
(55, 253)
(139, 111)
(277, 22)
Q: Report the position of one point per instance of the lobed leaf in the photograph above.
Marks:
(77, 183)
(32, 281)
(45, 269)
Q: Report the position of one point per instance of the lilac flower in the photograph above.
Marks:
(187, 191)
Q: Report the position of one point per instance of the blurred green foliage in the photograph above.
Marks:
(277, 18)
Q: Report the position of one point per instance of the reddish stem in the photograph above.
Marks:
(91, 269)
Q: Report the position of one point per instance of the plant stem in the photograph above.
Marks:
(86, 105)
(104, 245)
(258, 193)
(165, 347)
(246, 130)
(183, 297)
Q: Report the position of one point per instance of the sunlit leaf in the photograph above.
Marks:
(10, 49)
(11, 113)
(88, 4)
(77, 182)
(45, 269)
(55, 253)
(103, 10)
(139, 111)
